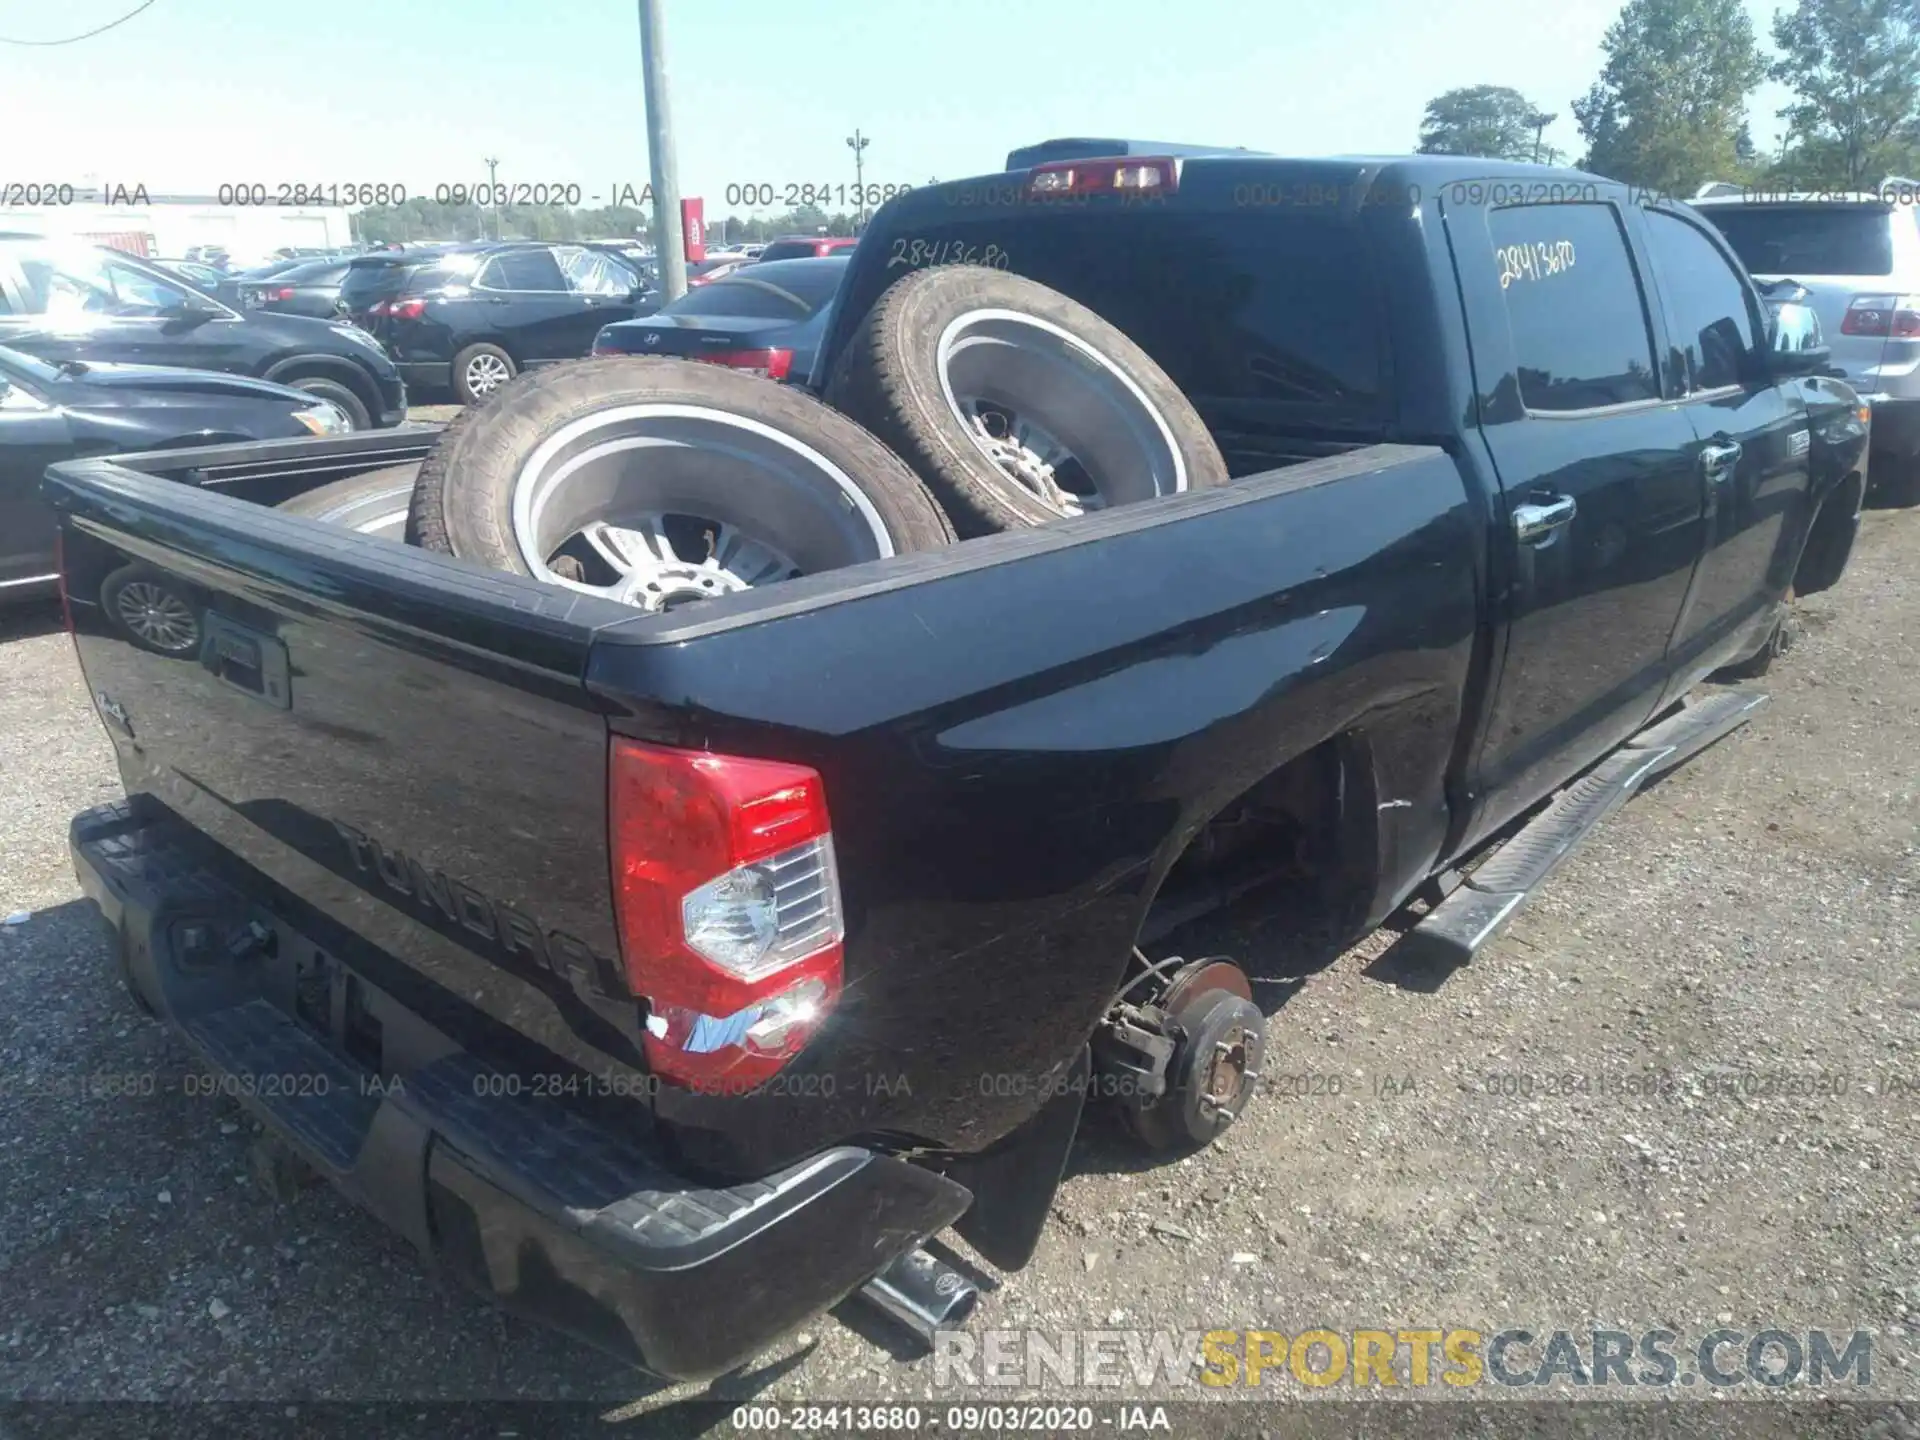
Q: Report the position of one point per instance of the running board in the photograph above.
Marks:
(1452, 932)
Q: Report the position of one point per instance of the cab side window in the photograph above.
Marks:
(1574, 306)
(1715, 327)
(523, 270)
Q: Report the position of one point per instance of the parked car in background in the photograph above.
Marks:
(73, 410)
(62, 300)
(767, 318)
(309, 288)
(193, 272)
(714, 267)
(472, 317)
(215, 255)
(231, 288)
(1857, 258)
(793, 247)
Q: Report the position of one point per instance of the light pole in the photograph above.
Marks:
(858, 143)
(1540, 119)
(669, 243)
(493, 193)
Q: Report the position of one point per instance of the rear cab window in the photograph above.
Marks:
(1269, 316)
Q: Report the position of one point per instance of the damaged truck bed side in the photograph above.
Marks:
(420, 852)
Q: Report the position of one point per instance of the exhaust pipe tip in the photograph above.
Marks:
(923, 1294)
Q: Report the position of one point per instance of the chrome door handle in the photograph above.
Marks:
(1534, 523)
(1718, 460)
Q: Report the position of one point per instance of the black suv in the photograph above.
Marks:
(473, 316)
(66, 300)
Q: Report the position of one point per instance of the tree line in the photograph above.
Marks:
(423, 218)
(1669, 109)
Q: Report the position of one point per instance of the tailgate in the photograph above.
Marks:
(398, 742)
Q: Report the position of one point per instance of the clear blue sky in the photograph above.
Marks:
(196, 92)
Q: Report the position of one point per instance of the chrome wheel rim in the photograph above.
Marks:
(157, 615)
(1056, 416)
(655, 505)
(485, 374)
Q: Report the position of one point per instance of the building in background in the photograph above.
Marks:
(171, 225)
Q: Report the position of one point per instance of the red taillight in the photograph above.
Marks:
(773, 364)
(285, 292)
(1896, 316)
(60, 564)
(728, 904)
(1114, 175)
(407, 309)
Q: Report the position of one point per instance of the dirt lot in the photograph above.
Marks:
(1749, 927)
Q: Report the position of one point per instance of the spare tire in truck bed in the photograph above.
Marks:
(375, 503)
(1016, 404)
(656, 482)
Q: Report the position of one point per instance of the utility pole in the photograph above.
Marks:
(858, 143)
(1541, 119)
(669, 243)
(493, 193)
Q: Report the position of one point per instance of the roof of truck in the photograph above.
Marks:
(1382, 171)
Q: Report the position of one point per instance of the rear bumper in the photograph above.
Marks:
(1896, 426)
(554, 1216)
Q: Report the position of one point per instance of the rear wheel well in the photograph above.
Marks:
(1306, 827)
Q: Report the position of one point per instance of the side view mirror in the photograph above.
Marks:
(191, 312)
(1788, 364)
(1795, 344)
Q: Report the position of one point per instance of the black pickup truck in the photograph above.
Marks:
(442, 866)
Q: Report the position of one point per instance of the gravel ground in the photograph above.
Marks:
(1747, 926)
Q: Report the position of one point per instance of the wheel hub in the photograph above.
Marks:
(672, 585)
(1011, 445)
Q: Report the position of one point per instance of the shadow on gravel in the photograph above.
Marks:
(31, 620)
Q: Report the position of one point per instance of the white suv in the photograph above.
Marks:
(1857, 254)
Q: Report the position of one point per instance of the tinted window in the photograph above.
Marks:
(784, 290)
(1274, 313)
(315, 272)
(1579, 325)
(367, 280)
(1824, 239)
(523, 270)
(786, 250)
(82, 279)
(1707, 299)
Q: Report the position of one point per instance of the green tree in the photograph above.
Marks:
(1671, 98)
(1487, 120)
(1854, 69)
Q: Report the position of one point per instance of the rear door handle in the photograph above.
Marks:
(1535, 523)
(1718, 461)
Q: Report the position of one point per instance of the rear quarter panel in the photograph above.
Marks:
(1019, 735)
